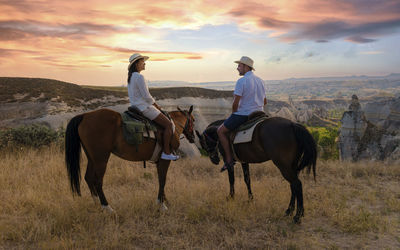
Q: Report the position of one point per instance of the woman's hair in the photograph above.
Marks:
(132, 68)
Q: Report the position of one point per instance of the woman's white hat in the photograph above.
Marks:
(136, 57)
(247, 61)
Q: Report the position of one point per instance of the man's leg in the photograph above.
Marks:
(223, 135)
(223, 131)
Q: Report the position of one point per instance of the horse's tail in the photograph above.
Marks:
(307, 149)
(73, 153)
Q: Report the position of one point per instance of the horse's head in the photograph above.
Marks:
(209, 142)
(188, 128)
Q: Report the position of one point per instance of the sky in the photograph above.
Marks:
(89, 42)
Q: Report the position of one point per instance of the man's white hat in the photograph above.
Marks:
(247, 61)
(136, 57)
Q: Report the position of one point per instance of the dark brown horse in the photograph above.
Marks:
(289, 145)
(100, 134)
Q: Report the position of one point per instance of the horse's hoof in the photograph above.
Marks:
(163, 207)
(251, 198)
(297, 220)
(297, 217)
(108, 209)
(230, 197)
(288, 212)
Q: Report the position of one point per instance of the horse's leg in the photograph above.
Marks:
(298, 188)
(100, 170)
(162, 169)
(246, 176)
(291, 207)
(231, 174)
(90, 179)
(290, 174)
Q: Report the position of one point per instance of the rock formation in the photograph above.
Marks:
(365, 137)
(352, 129)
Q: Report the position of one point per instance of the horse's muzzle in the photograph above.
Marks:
(191, 139)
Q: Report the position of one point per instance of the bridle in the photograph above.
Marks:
(188, 127)
(214, 145)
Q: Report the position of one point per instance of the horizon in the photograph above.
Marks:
(198, 41)
(233, 81)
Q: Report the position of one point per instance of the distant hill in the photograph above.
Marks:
(16, 89)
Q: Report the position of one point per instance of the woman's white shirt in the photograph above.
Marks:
(138, 91)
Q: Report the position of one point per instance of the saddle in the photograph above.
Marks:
(136, 128)
(244, 133)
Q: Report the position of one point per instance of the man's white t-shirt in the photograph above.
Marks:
(252, 91)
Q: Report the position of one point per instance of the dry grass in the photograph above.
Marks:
(350, 206)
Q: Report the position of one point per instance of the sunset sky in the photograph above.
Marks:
(89, 42)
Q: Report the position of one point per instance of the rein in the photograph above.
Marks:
(212, 140)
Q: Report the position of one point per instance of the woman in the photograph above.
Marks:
(140, 97)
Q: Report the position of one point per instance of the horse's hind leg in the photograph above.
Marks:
(90, 178)
(290, 174)
(99, 171)
(291, 207)
(298, 188)
(246, 177)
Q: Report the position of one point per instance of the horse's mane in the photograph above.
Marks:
(216, 123)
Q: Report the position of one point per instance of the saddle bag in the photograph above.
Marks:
(133, 132)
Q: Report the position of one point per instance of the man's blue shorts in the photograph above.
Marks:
(234, 121)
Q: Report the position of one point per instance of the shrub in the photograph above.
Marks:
(326, 140)
(34, 136)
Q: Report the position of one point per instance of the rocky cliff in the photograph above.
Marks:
(372, 133)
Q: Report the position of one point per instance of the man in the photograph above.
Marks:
(249, 96)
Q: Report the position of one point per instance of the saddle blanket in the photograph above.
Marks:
(134, 131)
(245, 135)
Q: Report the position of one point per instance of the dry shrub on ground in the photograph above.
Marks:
(350, 206)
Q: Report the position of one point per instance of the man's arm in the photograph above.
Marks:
(235, 103)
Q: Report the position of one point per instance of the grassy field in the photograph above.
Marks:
(350, 206)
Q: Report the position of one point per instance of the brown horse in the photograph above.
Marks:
(289, 145)
(100, 134)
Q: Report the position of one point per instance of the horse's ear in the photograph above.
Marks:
(179, 108)
(190, 109)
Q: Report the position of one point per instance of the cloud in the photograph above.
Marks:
(295, 55)
(9, 52)
(156, 55)
(335, 29)
(15, 30)
(359, 39)
(358, 21)
(374, 52)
